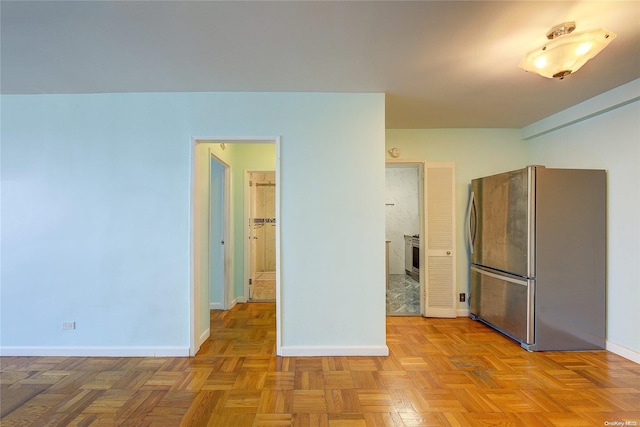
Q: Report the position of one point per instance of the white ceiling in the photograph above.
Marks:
(442, 64)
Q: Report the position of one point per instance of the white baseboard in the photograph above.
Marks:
(462, 312)
(218, 305)
(134, 351)
(625, 352)
(203, 337)
(289, 351)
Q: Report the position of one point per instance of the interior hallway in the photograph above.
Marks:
(442, 372)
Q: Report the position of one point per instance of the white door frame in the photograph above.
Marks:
(421, 164)
(196, 290)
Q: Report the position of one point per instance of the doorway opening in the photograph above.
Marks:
(218, 235)
(261, 224)
(404, 226)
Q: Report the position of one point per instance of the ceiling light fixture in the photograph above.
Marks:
(566, 51)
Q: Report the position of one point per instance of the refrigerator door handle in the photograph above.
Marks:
(471, 222)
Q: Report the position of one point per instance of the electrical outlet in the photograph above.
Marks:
(463, 297)
(68, 325)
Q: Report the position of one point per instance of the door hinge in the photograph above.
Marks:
(251, 281)
(250, 183)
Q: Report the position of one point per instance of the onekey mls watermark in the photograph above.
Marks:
(621, 423)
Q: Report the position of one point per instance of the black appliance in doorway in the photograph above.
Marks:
(415, 263)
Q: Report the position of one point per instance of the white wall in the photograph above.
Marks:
(96, 220)
(476, 153)
(609, 140)
(332, 226)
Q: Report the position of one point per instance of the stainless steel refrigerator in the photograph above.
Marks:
(537, 238)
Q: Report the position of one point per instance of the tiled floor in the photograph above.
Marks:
(403, 296)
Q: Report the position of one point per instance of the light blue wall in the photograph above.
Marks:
(332, 229)
(95, 221)
(96, 217)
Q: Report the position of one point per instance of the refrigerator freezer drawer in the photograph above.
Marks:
(504, 302)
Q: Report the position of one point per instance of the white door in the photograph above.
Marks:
(262, 236)
(217, 235)
(439, 242)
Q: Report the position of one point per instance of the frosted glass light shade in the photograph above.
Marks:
(565, 54)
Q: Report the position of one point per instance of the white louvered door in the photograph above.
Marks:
(439, 246)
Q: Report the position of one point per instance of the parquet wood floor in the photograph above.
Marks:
(441, 372)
